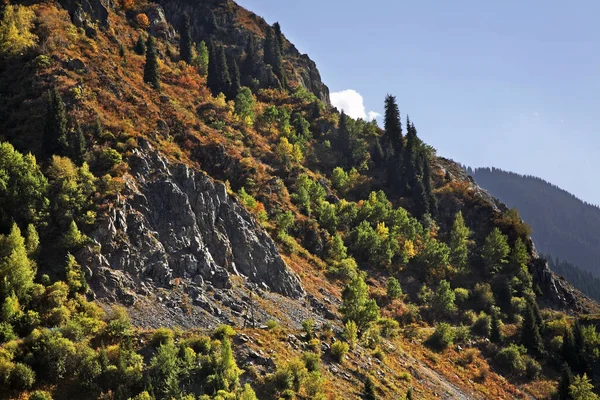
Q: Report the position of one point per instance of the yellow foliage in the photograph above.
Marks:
(382, 230)
(15, 30)
(409, 248)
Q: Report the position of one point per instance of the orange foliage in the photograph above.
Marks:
(142, 20)
(127, 4)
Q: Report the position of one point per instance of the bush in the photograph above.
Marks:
(309, 328)
(200, 344)
(223, 331)
(511, 359)
(162, 336)
(272, 324)
(40, 395)
(6, 332)
(351, 333)
(533, 369)
(462, 334)
(389, 327)
(462, 295)
(339, 350)
(394, 290)
(483, 325)
(22, 377)
(442, 337)
(312, 361)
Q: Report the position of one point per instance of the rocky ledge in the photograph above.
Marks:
(173, 223)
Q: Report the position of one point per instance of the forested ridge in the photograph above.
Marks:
(400, 267)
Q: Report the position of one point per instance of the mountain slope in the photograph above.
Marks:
(563, 226)
(265, 210)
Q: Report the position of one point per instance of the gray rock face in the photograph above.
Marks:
(175, 222)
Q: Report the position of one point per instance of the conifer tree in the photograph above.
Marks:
(496, 332)
(530, 332)
(234, 73)
(566, 380)
(392, 125)
(431, 200)
(140, 46)
(223, 77)
(211, 24)
(77, 145)
(409, 168)
(55, 133)
(409, 394)
(185, 40)
(272, 57)
(212, 80)
(278, 36)
(151, 74)
(370, 389)
(251, 61)
(570, 353)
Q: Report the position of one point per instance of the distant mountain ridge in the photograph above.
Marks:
(563, 225)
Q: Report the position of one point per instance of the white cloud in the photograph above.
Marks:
(373, 115)
(352, 103)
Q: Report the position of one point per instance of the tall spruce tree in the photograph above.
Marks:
(250, 64)
(409, 159)
(223, 77)
(212, 80)
(151, 74)
(431, 199)
(185, 40)
(272, 57)
(202, 58)
(140, 46)
(278, 36)
(55, 132)
(77, 145)
(530, 332)
(566, 379)
(392, 125)
(234, 73)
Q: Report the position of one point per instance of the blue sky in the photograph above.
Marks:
(512, 84)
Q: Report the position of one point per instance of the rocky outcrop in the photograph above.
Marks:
(84, 12)
(174, 222)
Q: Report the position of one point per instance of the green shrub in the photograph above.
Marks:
(162, 336)
(309, 328)
(442, 337)
(511, 359)
(462, 295)
(272, 324)
(40, 395)
(394, 290)
(200, 344)
(351, 333)
(482, 325)
(312, 361)
(339, 350)
(533, 369)
(6, 332)
(223, 331)
(462, 334)
(389, 327)
(107, 159)
(22, 377)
